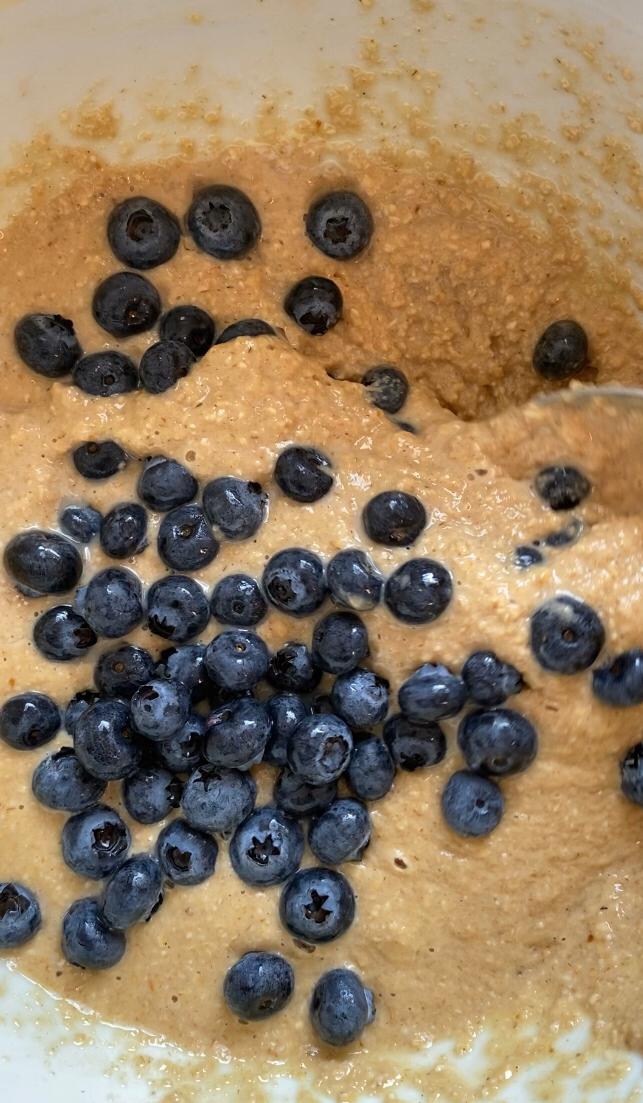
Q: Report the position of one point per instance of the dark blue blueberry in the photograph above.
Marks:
(159, 708)
(432, 693)
(360, 698)
(286, 711)
(632, 774)
(294, 581)
(341, 833)
(419, 591)
(371, 770)
(123, 532)
(354, 580)
(471, 804)
(29, 720)
(394, 518)
(237, 508)
(620, 682)
(562, 486)
(299, 798)
(320, 749)
(303, 473)
(526, 556)
(405, 426)
(42, 562)
(495, 742)
(186, 665)
(187, 856)
(191, 325)
(165, 484)
(125, 304)
(163, 364)
(258, 986)
(317, 905)
(104, 743)
(237, 660)
(340, 642)
(293, 669)
(177, 608)
(185, 539)
(82, 523)
(151, 793)
(340, 1007)
(119, 672)
(95, 842)
(414, 745)
(20, 915)
(218, 799)
(112, 602)
(48, 344)
(79, 704)
(561, 351)
(133, 893)
(62, 634)
(99, 459)
(386, 387)
(490, 680)
(237, 599)
(315, 304)
(340, 224)
(223, 222)
(60, 781)
(184, 750)
(237, 734)
(245, 327)
(565, 536)
(106, 373)
(566, 635)
(267, 847)
(87, 940)
(143, 233)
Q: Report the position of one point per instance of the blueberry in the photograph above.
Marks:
(419, 591)
(177, 608)
(353, 580)
(119, 672)
(190, 325)
(185, 539)
(267, 847)
(223, 222)
(286, 711)
(62, 634)
(526, 556)
(106, 373)
(490, 680)
(566, 635)
(103, 741)
(237, 660)
(95, 842)
(186, 665)
(187, 856)
(360, 698)
(20, 915)
(317, 905)
(258, 986)
(340, 1007)
(87, 940)
(632, 774)
(245, 327)
(112, 602)
(133, 893)
(163, 364)
(218, 799)
(237, 508)
(165, 484)
(237, 734)
(303, 473)
(315, 304)
(299, 798)
(414, 745)
(371, 770)
(320, 749)
(29, 720)
(184, 750)
(125, 304)
(143, 233)
(563, 537)
(99, 459)
(48, 344)
(432, 693)
(340, 642)
(151, 793)
(238, 600)
(471, 804)
(386, 387)
(562, 487)
(620, 682)
(159, 709)
(60, 781)
(561, 351)
(292, 668)
(341, 833)
(394, 518)
(123, 532)
(496, 742)
(82, 523)
(294, 581)
(42, 562)
(79, 704)
(340, 225)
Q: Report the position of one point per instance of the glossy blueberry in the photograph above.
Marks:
(95, 842)
(184, 750)
(143, 233)
(303, 474)
(371, 770)
(294, 581)
(340, 642)
(317, 905)
(632, 774)
(159, 708)
(340, 225)
(62, 634)
(235, 507)
(565, 536)
(386, 387)
(237, 660)
(267, 847)
(525, 556)
(47, 344)
(566, 635)
(165, 484)
(496, 742)
(561, 351)
(286, 711)
(177, 608)
(245, 327)
(320, 749)
(29, 720)
(292, 668)
(123, 531)
(42, 562)
(185, 539)
(191, 325)
(341, 833)
(133, 893)
(620, 682)
(353, 580)
(237, 733)
(360, 698)
(562, 487)
(315, 304)
(490, 680)
(82, 523)
(151, 793)
(104, 743)
(394, 518)
(258, 985)
(187, 856)
(340, 1007)
(99, 459)
(79, 704)
(60, 781)
(237, 599)
(419, 591)
(87, 940)
(106, 373)
(223, 222)
(125, 304)
(218, 799)
(163, 364)
(20, 915)
(414, 745)
(119, 672)
(299, 798)
(471, 804)
(112, 602)
(432, 693)
(186, 665)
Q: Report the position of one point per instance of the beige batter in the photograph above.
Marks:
(541, 920)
